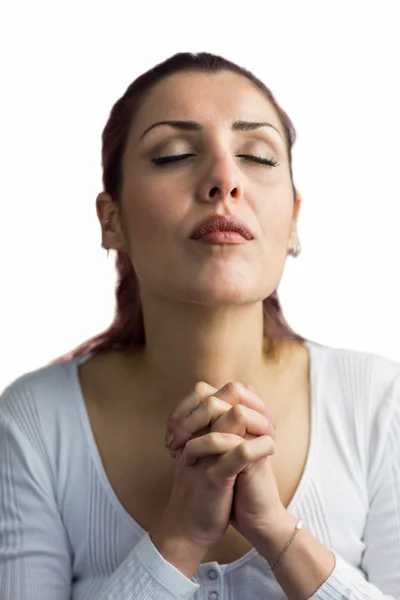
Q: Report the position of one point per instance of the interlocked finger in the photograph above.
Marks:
(199, 420)
(237, 453)
(200, 410)
(245, 422)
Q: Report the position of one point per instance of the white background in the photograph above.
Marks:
(333, 67)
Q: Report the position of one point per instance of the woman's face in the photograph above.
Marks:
(161, 204)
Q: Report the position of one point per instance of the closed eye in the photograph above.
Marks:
(163, 160)
(264, 161)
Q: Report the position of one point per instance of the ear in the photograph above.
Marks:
(296, 206)
(108, 213)
(296, 210)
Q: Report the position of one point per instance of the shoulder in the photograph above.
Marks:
(365, 385)
(35, 401)
(368, 370)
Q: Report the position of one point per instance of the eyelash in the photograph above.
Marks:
(164, 160)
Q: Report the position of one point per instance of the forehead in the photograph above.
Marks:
(212, 99)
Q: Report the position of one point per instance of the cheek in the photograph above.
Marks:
(151, 217)
(275, 222)
(273, 205)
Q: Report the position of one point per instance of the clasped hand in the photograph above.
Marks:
(234, 424)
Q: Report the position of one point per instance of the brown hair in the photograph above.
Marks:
(126, 331)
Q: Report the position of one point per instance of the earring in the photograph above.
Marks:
(295, 250)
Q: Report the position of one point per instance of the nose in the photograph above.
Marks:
(221, 181)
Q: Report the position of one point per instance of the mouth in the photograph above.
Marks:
(222, 230)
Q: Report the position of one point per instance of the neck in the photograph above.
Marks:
(187, 343)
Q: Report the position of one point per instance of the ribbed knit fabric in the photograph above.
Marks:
(64, 535)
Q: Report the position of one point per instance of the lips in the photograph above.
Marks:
(221, 223)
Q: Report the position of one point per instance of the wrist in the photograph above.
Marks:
(274, 535)
(179, 552)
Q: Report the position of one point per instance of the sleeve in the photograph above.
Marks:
(35, 556)
(381, 557)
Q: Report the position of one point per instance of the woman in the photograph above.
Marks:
(289, 480)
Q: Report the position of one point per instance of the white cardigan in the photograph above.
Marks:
(64, 534)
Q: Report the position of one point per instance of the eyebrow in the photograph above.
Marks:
(194, 126)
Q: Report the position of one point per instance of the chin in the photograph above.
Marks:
(217, 287)
(222, 294)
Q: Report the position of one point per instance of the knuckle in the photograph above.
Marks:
(216, 406)
(210, 402)
(243, 451)
(239, 415)
(216, 439)
(201, 387)
(232, 387)
(239, 411)
(269, 445)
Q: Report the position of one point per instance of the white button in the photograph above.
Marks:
(213, 596)
(212, 573)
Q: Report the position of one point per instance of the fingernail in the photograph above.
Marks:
(169, 439)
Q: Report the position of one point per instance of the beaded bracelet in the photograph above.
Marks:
(282, 552)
